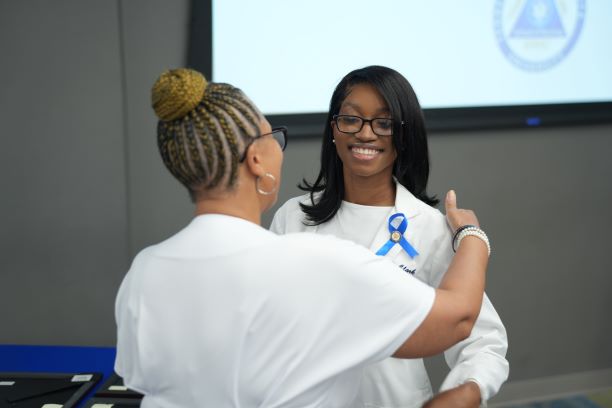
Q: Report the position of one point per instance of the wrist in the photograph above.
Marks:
(470, 230)
(472, 388)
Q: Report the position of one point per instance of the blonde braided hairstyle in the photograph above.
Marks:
(203, 128)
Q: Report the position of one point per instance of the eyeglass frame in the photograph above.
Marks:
(363, 122)
(282, 129)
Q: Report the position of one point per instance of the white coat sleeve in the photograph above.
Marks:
(482, 356)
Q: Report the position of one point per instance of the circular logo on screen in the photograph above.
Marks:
(537, 34)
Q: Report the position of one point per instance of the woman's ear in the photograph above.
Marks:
(253, 160)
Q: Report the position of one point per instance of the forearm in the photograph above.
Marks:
(464, 282)
(456, 306)
(464, 396)
(459, 295)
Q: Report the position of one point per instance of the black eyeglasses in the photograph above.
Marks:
(354, 124)
(279, 134)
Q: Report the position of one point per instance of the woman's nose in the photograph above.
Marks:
(366, 133)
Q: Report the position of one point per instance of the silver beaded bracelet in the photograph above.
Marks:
(475, 232)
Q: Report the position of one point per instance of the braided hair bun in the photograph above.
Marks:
(177, 92)
(203, 128)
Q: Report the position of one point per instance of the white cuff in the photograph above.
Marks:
(483, 402)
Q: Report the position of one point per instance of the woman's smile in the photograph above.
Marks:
(364, 152)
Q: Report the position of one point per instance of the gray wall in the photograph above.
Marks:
(544, 198)
(63, 192)
(82, 186)
(83, 189)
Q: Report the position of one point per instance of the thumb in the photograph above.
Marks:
(451, 200)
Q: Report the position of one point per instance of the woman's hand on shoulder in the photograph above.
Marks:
(458, 217)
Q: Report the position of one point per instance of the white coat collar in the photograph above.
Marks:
(405, 203)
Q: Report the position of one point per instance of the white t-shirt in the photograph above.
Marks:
(227, 314)
(357, 223)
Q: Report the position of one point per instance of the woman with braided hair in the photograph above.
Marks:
(227, 314)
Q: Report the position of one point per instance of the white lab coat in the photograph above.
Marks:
(404, 383)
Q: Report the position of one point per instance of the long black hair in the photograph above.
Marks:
(411, 167)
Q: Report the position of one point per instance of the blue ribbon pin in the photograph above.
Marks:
(397, 237)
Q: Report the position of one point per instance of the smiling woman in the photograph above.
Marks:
(370, 93)
(371, 189)
(361, 145)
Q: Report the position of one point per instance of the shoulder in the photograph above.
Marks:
(293, 204)
(424, 215)
(144, 255)
(434, 218)
(139, 266)
(289, 217)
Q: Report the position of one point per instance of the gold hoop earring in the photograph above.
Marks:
(264, 192)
